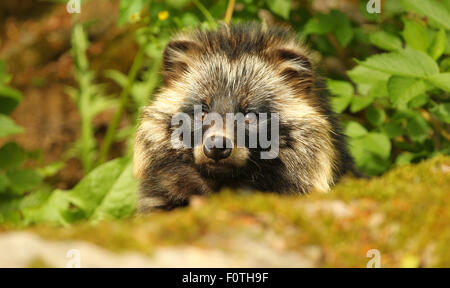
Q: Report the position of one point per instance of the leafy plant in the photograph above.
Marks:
(15, 180)
(402, 95)
(89, 97)
(108, 192)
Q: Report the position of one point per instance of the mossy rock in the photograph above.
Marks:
(403, 214)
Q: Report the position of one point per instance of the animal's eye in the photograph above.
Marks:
(201, 115)
(250, 118)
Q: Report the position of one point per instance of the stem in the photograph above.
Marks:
(205, 12)
(435, 123)
(87, 143)
(84, 97)
(229, 12)
(110, 133)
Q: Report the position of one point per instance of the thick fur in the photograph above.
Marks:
(233, 69)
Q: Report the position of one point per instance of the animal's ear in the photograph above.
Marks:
(295, 67)
(176, 57)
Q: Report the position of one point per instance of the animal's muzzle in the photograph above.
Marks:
(217, 147)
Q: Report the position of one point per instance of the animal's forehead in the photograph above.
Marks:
(247, 73)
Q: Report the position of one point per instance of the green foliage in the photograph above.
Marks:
(386, 41)
(437, 13)
(108, 192)
(89, 97)
(15, 181)
(403, 92)
(281, 8)
(335, 23)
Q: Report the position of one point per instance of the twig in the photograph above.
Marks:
(435, 124)
(229, 12)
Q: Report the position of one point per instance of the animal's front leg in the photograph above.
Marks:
(170, 187)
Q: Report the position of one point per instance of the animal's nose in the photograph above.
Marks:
(217, 148)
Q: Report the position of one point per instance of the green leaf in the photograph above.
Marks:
(415, 35)
(432, 9)
(320, 25)
(51, 209)
(9, 211)
(343, 93)
(101, 185)
(100, 104)
(280, 7)
(393, 7)
(51, 169)
(360, 102)
(445, 64)
(404, 89)
(23, 180)
(419, 101)
(376, 116)
(128, 8)
(366, 78)
(385, 41)
(442, 112)
(121, 200)
(340, 103)
(177, 4)
(441, 81)
(354, 130)
(7, 126)
(11, 155)
(408, 63)
(363, 75)
(446, 4)
(417, 128)
(367, 161)
(343, 28)
(447, 46)
(4, 182)
(405, 158)
(190, 20)
(340, 88)
(117, 76)
(393, 129)
(379, 90)
(9, 99)
(439, 44)
(378, 143)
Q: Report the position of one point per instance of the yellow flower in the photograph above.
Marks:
(163, 15)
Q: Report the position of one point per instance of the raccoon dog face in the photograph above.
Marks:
(233, 72)
(244, 71)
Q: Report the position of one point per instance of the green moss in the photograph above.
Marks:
(38, 263)
(404, 214)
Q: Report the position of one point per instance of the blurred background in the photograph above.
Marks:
(72, 85)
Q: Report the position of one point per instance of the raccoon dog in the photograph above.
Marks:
(246, 70)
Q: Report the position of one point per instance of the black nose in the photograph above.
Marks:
(212, 149)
